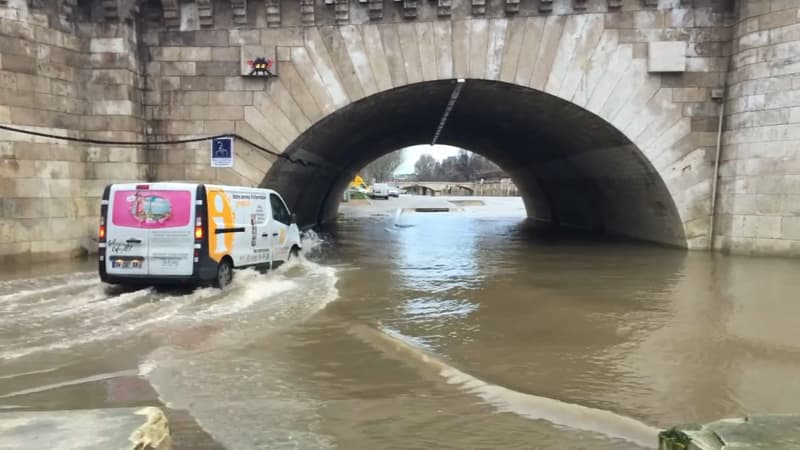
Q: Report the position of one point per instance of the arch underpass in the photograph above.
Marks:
(418, 189)
(572, 167)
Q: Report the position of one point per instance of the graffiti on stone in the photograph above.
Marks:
(258, 61)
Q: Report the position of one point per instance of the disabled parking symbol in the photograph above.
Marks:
(222, 152)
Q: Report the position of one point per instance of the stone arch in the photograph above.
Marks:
(419, 188)
(581, 60)
(596, 180)
(465, 189)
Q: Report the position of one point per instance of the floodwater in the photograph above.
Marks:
(451, 331)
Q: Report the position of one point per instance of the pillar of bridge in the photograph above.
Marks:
(758, 202)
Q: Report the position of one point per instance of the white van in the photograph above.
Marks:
(380, 190)
(157, 233)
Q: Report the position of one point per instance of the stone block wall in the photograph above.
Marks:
(78, 83)
(759, 186)
(195, 89)
(671, 117)
(172, 71)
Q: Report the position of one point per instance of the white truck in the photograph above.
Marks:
(380, 190)
(189, 233)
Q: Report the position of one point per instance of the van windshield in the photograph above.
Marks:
(151, 208)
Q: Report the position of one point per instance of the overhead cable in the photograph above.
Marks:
(292, 160)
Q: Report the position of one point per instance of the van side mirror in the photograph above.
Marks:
(292, 219)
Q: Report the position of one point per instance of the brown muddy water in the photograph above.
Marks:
(453, 331)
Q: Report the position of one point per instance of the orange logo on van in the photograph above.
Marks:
(220, 215)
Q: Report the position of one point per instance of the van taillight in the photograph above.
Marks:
(101, 233)
(198, 228)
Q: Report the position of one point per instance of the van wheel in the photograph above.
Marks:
(294, 253)
(224, 274)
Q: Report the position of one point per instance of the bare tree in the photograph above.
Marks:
(465, 166)
(382, 169)
(426, 167)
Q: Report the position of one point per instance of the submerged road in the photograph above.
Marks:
(454, 330)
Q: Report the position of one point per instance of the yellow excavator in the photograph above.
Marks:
(357, 189)
(358, 183)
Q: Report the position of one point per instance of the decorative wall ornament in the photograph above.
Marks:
(307, 13)
(205, 10)
(342, 10)
(512, 6)
(445, 8)
(172, 15)
(410, 9)
(274, 13)
(258, 61)
(375, 9)
(478, 7)
(239, 10)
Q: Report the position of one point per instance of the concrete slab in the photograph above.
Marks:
(323, 65)
(547, 51)
(377, 57)
(407, 33)
(316, 85)
(512, 48)
(529, 51)
(775, 432)
(394, 54)
(358, 56)
(92, 429)
(427, 51)
(478, 46)
(340, 58)
(666, 56)
(444, 49)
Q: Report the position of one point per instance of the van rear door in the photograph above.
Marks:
(171, 230)
(150, 229)
(127, 243)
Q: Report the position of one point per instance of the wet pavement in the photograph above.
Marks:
(493, 334)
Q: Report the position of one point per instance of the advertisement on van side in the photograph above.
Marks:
(152, 209)
(238, 225)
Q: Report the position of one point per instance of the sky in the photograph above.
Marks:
(412, 154)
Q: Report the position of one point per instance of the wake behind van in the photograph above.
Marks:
(156, 233)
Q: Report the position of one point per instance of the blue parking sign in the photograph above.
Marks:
(222, 152)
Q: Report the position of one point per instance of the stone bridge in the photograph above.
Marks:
(490, 188)
(606, 113)
(438, 187)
